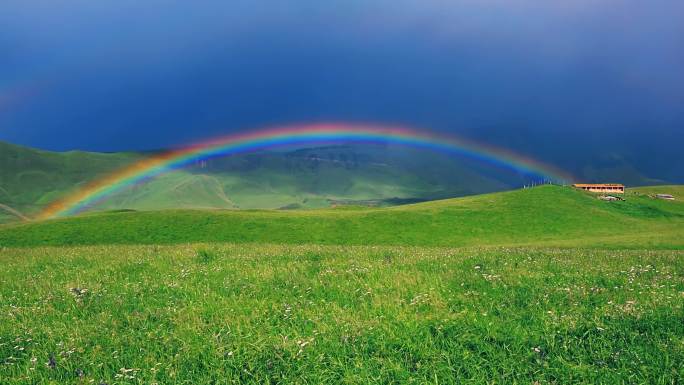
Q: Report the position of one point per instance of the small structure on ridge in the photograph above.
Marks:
(613, 188)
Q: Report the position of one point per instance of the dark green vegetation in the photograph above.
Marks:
(291, 179)
(543, 216)
(215, 314)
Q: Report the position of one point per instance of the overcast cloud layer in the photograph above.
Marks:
(584, 78)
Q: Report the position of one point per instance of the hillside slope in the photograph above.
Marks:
(677, 191)
(547, 215)
(30, 178)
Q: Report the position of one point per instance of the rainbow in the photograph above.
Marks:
(153, 166)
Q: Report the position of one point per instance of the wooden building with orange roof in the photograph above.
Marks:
(611, 188)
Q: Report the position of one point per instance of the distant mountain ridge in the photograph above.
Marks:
(298, 178)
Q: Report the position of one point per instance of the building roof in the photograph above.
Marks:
(599, 185)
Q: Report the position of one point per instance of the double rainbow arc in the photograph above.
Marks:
(151, 167)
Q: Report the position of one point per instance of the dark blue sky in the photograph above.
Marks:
(539, 76)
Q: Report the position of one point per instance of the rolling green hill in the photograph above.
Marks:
(30, 178)
(546, 215)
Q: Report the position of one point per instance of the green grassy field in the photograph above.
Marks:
(676, 191)
(537, 286)
(215, 314)
(542, 216)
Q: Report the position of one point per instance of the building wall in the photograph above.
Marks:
(614, 190)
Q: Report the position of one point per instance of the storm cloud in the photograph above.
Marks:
(574, 83)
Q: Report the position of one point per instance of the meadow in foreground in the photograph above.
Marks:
(215, 314)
